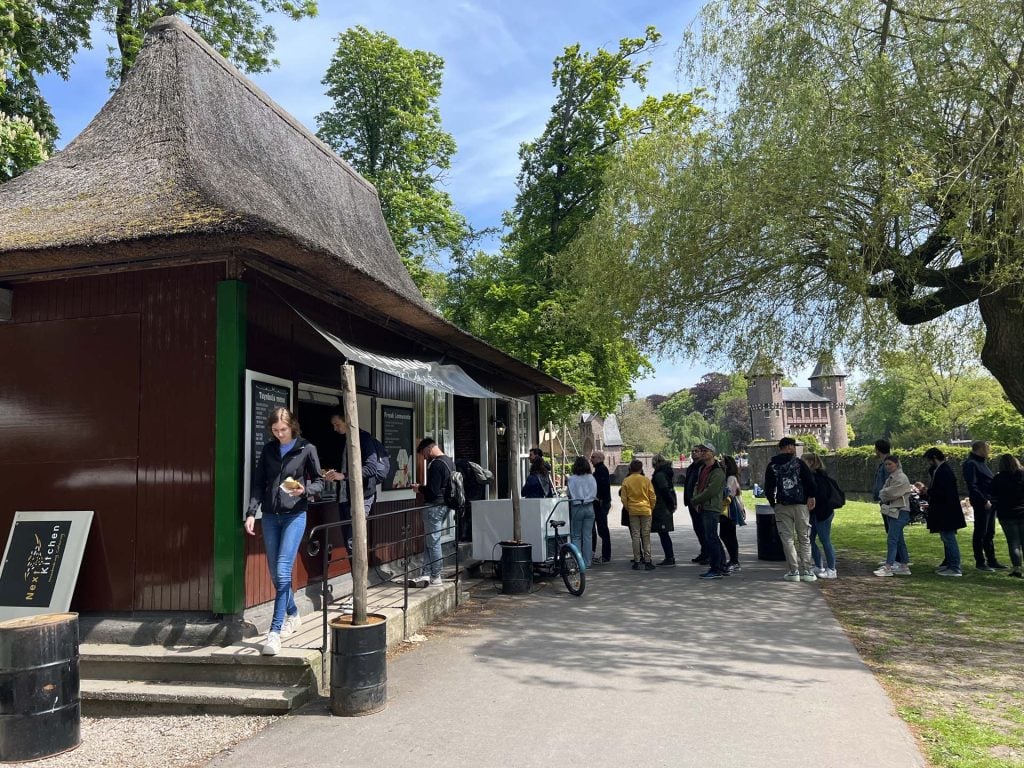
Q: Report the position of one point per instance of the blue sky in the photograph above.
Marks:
(497, 88)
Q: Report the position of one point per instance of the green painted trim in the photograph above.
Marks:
(228, 544)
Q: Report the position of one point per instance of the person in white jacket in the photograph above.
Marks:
(895, 501)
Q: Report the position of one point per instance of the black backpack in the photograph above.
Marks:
(836, 495)
(789, 488)
(455, 490)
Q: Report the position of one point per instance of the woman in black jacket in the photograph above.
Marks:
(287, 475)
(665, 493)
(1008, 488)
(821, 519)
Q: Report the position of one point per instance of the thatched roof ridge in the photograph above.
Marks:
(189, 151)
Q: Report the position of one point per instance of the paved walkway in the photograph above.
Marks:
(646, 669)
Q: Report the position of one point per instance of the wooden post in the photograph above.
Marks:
(354, 471)
(513, 465)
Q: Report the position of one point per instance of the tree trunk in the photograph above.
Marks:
(1003, 315)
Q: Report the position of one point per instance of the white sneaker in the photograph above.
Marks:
(808, 576)
(435, 581)
(347, 607)
(291, 625)
(273, 645)
(899, 569)
(828, 573)
(885, 570)
(791, 576)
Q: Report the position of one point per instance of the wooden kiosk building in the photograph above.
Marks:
(155, 271)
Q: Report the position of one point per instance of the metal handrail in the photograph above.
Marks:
(324, 549)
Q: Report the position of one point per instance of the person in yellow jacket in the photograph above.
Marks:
(637, 494)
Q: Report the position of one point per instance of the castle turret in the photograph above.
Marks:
(764, 400)
(829, 380)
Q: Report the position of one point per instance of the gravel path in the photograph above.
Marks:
(155, 742)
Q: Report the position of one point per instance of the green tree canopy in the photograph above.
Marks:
(523, 299)
(641, 427)
(40, 36)
(386, 123)
(864, 172)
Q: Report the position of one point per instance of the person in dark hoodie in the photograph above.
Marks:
(287, 475)
(978, 479)
(601, 507)
(821, 520)
(789, 488)
(1008, 488)
(945, 513)
(689, 486)
(665, 493)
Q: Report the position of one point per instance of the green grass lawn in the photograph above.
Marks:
(950, 651)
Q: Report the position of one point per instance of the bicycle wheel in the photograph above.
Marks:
(571, 566)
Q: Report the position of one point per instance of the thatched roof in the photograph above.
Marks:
(190, 157)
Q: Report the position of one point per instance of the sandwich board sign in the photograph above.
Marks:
(41, 562)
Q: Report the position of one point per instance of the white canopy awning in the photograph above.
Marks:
(447, 378)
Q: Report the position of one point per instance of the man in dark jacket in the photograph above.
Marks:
(602, 507)
(373, 467)
(439, 468)
(789, 487)
(945, 515)
(978, 479)
(689, 487)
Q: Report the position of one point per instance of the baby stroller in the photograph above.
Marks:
(918, 509)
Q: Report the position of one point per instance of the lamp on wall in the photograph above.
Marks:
(499, 426)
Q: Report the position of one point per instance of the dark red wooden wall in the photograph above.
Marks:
(107, 404)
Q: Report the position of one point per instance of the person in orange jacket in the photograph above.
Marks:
(637, 494)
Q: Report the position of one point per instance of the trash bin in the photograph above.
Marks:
(769, 545)
(39, 692)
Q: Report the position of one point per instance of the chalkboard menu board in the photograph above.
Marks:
(263, 394)
(396, 432)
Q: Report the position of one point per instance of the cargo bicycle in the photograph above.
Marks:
(565, 558)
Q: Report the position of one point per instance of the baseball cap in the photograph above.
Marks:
(706, 444)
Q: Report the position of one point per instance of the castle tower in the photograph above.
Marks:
(829, 380)
(764, 400)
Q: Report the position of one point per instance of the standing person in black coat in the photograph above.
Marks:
(602, 507)
(821, 519)
(665, 493)
(978, 478)
(945, 514)
(1008, 488)
(689, 488)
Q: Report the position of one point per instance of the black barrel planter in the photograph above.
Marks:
(359, 666)
(769, 543)
(40, 711)
(516, 567)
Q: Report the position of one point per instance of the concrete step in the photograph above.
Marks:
(144, 697)
(239, 664)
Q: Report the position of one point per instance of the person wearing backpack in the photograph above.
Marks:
(789, 488)
(376, 466)
(827, 497)
(434, 494)
(665, 493)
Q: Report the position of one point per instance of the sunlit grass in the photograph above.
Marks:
(950, 651)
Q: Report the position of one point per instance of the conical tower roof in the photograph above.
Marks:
(763, 366)
(827, 367)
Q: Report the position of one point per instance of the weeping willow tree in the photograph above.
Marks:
(859, 169)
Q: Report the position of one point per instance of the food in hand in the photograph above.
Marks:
(291, 484)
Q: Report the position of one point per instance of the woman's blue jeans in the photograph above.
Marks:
(822, 529)
(896, 550)
(581, 525)
(282, 535)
